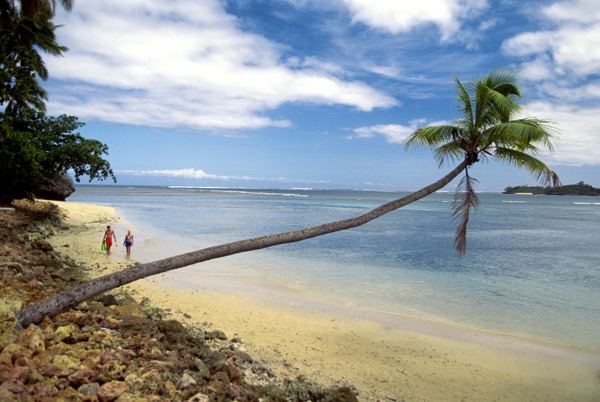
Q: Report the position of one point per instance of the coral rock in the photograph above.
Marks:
(111, 391)
(63, 333)
(186, 382)
(89, 389)
(33, 339)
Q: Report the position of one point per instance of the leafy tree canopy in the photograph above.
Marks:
(36, 147)
(21, 63)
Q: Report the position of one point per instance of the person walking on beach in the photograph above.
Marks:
(109, 235)
(128, 243)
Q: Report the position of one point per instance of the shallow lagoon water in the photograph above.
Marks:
(531, 267)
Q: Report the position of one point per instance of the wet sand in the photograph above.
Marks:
(386, 357)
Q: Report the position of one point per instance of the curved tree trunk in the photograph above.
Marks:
(58, 303)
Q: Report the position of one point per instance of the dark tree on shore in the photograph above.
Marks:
(489, 126)
(36, 150)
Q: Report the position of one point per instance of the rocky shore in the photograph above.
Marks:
(117, 347)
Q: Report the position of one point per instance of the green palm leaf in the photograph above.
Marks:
(492, 125)
(536, 167)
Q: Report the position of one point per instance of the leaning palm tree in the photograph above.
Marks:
(491, 125)
(486, 129)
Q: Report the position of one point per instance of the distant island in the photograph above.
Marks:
(572, 189)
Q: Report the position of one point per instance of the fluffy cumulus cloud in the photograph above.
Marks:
(402, 16)
(579, 142)
(185, 64)
(563, 63)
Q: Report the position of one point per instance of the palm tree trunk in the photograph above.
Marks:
(58, 303)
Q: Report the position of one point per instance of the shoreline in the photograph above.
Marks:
(414, 359)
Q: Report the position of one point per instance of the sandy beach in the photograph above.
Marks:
(409, 359)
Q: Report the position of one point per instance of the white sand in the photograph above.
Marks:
(412, 360)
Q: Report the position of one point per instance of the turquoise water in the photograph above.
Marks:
(532, 267)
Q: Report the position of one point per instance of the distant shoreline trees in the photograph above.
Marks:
(572, 189)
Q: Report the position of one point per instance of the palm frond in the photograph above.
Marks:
(465, 199)
(497, 95)
(454, 150)
(505, 80)
(544, 174)
(464, 105)
(431, 137)
(524, 134)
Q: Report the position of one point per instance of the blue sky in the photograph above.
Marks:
(316, 93)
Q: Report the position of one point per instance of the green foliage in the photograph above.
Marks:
(21, 65)
(39, 147)
(490, 125)
(35, 148)
(571, 189)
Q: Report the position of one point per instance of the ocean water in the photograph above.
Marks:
(532, 267)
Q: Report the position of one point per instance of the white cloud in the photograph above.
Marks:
(569, 49)
(573, 48)
(581, 11)
(579, 144)
(402, 16)
(185, 64)
(393, 133)
(200, 174)
(563, 62)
